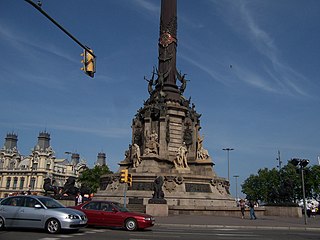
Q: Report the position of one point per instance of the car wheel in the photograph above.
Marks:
(53, 226)
(131, 224)
(1, 223)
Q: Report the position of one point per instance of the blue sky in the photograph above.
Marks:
(253, 65)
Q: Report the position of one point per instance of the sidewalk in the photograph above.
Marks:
(264, 222)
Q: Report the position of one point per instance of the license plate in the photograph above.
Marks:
(82, 222)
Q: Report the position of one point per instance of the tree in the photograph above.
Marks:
(90, 178)
(313, 180)
(273, 186)
(263, 186)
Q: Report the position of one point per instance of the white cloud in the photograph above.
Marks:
(275, 74)
(28, 46)
(146, 4)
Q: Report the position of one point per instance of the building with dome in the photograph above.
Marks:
(20, 173)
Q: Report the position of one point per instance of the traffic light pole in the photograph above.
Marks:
(125, 195)
(59, 26)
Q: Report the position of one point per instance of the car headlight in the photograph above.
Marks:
(147, 218)
(71, 216)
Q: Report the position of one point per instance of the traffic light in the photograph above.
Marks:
(89, 62)
(124, 176)
(129, 179)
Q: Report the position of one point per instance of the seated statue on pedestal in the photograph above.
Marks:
(202, 154)
(48, 187)
(158, 194)
(151, 144)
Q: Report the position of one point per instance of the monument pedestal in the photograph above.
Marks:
(166, 141)
(157, 210)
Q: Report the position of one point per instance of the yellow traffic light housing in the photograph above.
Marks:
(89, 62)
(124, 176)
(129, 179)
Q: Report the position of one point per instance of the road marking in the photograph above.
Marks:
(99, 230)
(49, 238)
(236, 235)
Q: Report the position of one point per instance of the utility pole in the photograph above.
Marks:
(89, 59)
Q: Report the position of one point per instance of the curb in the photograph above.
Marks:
(239, 227)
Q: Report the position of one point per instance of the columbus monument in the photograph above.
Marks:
(166, 140)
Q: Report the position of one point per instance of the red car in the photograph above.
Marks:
(111, 214)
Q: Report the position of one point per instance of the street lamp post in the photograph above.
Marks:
(236, 177)
(302, 163)
(228, 150)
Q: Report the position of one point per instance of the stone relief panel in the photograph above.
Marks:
(152, 144)
(169, 183)
(223, 186)
(197, 187)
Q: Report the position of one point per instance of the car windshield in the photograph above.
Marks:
(51, 203)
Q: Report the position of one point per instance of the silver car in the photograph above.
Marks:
(39, 212)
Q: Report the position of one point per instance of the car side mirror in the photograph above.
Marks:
(37, 206)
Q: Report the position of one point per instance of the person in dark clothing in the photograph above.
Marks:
(252, 213)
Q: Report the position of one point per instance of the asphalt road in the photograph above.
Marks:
(164, 233)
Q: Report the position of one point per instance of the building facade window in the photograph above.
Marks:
(34, 166)
(8, 182)
(15, 183)
(21, 183)
(32, 182)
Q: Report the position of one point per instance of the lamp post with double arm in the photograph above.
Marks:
(228, 150)
(236, 177)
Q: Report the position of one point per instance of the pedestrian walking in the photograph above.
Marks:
(313, 210)
(242, 207)
(252, 213)
(309, 206)
(78, 199)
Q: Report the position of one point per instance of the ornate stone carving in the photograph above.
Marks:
(171, 27)
(170, 186)
(151, 81)
(223, 186)
(179, 180)
(169, 183)
(114, 185)
(183, 81)
(151, 143)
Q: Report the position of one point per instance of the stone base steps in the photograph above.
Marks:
(136, 208)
